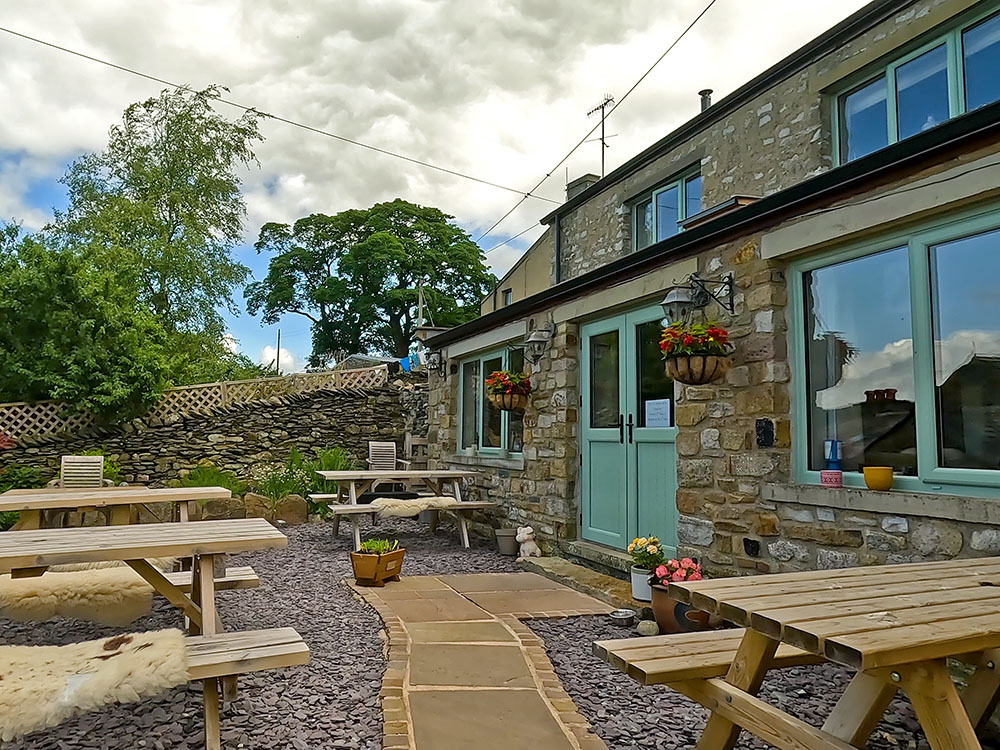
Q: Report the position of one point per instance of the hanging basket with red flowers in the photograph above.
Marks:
(508, 390)
(696, 354)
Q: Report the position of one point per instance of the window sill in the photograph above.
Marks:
(897, 502)
(515, 462)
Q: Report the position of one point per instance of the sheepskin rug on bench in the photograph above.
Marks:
(109, 596)
(393, 507)
(42, 686)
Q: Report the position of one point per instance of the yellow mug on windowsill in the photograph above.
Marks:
(878, 478)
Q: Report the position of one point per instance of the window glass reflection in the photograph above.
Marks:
(643, 224)
(692, 196)
(859, 359)
(864, 120)
(981, 49)
(470, 403)
(515, 419)
(667, 208)
(966, 318)
(604, 400)
(492, 417)
(656, 390)
(922, 92)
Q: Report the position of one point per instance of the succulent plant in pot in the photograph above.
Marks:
(696, 353)
(508, 390)
(377, 561)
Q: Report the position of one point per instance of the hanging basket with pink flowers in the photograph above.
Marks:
(508, 391)
(696, 354)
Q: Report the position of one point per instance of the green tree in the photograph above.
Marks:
(355, 276)
(162, 207)
(70, 332)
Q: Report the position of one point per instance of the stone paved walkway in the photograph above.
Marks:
(464, 671)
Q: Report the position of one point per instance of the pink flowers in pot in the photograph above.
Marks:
(675, 571)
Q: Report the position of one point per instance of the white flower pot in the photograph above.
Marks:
(640, 584)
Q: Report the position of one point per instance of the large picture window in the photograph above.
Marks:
(953, 73)
(656, 215)
(898, 345)
(483, 427)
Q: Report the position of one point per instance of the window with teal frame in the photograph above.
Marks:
(482, 427)
(657, 214)
(953, 73)
(896, 349)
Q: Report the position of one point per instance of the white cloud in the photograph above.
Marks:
(499, 90)
(288, 362)
(229, 342)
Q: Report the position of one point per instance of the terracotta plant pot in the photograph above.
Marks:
(878, 477)
(509, 401)
(673, 616)
(697, 369)
(375, 570)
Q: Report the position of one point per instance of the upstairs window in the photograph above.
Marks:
(508, 297)
(656, 215)
(952, 74)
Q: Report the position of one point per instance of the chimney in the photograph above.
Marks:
(580, 184)
(706, 98)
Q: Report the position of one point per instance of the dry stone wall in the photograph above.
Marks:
(239, 437)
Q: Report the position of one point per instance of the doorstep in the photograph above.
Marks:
(607, 559)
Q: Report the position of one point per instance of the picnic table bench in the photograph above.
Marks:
(118, 500)
(895, 626)
(352, 484)
(214, 656)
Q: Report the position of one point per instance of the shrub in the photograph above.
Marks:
(16, 476)
(8, 518)
(277, 482)
(112, 469)
(213, 476)
(327, 459)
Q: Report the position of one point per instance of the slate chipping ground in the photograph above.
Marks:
(333, 702)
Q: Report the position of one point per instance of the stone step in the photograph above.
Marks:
(614, 591)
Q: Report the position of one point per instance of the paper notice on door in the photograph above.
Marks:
(658, 413)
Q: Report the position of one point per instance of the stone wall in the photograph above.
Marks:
(778, 139)
(539, 487)
(239, 437)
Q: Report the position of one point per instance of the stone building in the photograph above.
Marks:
(853, 193)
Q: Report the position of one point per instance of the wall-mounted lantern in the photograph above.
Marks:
(436, 362)
(683, 299)
(538, 341)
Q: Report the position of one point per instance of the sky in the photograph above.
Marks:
(494, 88)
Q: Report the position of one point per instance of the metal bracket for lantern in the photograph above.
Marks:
(683, 299)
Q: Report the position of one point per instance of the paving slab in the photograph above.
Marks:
(458, 632)
(443, 608)
(469, 665)
(484, 720)
(391, 594)
(500, 582)
(552, 602)
(416, 583)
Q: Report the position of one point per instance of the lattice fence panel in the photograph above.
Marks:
(42, 418)
(20, 420)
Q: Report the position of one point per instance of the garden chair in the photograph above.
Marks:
(382, 457)
(81, 471)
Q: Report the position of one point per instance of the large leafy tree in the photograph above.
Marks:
(162, 208)
(355, 275)
(71, 332)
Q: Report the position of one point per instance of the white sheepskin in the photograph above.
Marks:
(109, 596)
(391, 507)
(163, 563)
(42, 686)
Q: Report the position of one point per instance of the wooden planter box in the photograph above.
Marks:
(375, 570)
(509, 401)
(697, 369)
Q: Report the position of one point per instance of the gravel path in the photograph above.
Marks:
(630, 716)
(332, 703)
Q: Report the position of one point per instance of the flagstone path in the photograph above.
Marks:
(464, 671)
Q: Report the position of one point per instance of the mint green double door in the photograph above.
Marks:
(629, 459)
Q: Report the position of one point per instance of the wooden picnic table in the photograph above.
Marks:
(352, 484)
(895, 626)
(119, 501)
(29, 553)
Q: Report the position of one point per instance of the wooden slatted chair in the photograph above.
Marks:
(81, 471)
(382, 457)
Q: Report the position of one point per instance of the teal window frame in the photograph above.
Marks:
(918, 240)
(680, 182)
(952, 38)
(479, 449)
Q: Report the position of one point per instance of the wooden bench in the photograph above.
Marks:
(460, 508)
(671, 659)
(234, 578)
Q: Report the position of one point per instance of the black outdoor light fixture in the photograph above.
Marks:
(537, 342)
(435, 361)
(683, 299)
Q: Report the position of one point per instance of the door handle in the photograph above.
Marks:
(621, 429)
(631, 425)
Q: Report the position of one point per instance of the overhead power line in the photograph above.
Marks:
(593, 129)
(454, 173)
(510, 239)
